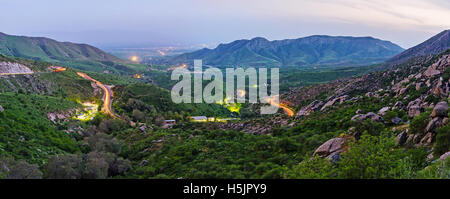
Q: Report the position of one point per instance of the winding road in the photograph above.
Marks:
(107, 96)
(287, 110)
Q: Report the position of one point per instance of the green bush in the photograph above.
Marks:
(373, 157)
(419, 123)
(442, 140)
(439, 170)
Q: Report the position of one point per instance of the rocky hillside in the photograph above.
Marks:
(309, 51)
(419, 91)
(435, 45)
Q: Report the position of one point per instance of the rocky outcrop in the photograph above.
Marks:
(330, 148)
(307, 110)
(444, 156)
(370, 115)
(9, 67)
(333, 101)
(414, 108)
(440, 110)
(402, 137)
(383, 110)
(438, 67)
(62, 116)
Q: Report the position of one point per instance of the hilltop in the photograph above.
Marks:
(79, 56)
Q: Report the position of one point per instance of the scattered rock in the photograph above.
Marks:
(401, 138)
(419, 86)
(383, 110)
(340, 99)
(143, 163)
(444, 156)
(331, 146)
(307, 110)
(396, 120)
(414, 111)
(370, 115)
(434, 124)
(143, 128)
(440, 110)
(397, 105)
(427, 139)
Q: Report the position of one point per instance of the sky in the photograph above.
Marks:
(145, 23)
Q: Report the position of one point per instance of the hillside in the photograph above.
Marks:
(308, 51)
(79, 56)
(435, 45)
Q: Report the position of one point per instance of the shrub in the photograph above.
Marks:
(419, 123)
(314, 168)
(440, 169)
(442, 140)
(371, 157)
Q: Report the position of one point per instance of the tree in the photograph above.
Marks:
(18, 169)
(68, 166)
(138, 115)
(371, 157)
(442, 140)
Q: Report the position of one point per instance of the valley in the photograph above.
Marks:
(363, 116)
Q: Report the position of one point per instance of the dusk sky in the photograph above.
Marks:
(140, 23)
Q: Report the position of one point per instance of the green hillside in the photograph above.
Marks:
(317, 50)
(79, 56)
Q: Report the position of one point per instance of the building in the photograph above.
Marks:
(198, 118)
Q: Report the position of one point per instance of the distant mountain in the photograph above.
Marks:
(80, 56)
(435, 45)
(316, 50)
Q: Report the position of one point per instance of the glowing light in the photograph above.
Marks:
(286, 109)
(241, 93)
(88, 113)
(59, 69)
(137, 76)
(162, 53)
(134, 58)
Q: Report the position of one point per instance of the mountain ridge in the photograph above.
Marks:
(432, 46)
(80, 56)
(307, 51)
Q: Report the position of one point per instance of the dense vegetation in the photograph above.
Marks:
(27, 133)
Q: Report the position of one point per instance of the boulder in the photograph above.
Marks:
(143, 128)
(427, 139)
(143, 163)
(401, 138)
(434, 124)
(440, 88)
(331, 146)
(396, 120)
(374, 117)
(440, 110)
(1, 109)
(414, 111)
(402, 91)
(444, 156)
(307, 110)
(419, 86)
(383, 110)
(397, 105)
(370, 115)
(333, 101)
